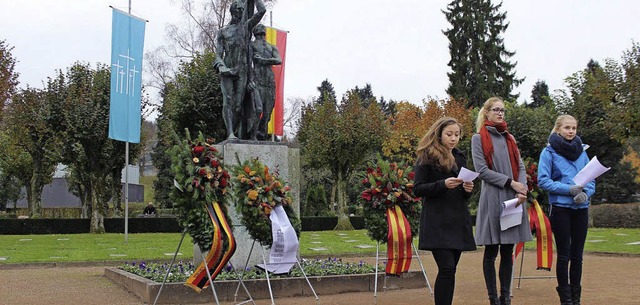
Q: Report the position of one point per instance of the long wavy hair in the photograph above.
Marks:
(482, 114)
(432, 151)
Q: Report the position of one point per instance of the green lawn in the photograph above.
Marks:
(162, 246)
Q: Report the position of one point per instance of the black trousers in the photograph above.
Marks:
(504, 273)
(447, 261)
(570, 232)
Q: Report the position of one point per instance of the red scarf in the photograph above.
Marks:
(487, 146)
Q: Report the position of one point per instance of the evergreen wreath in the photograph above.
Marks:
(200, 179)
(258, 191)
(387, 184)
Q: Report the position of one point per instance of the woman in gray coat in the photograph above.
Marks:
(497, 159)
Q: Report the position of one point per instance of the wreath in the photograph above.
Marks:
(387, 184)
(257, 192)
(200, 178)
(535, 192)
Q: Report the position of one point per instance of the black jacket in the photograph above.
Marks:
(445, 222)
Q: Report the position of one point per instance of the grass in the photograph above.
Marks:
(613, 240)
(162, 246)
(89, 247)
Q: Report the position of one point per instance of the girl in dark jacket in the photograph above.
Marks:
(445, 223)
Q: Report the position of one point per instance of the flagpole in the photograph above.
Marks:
(126, 175)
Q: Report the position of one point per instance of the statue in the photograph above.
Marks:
(233, 63)
(264, 56)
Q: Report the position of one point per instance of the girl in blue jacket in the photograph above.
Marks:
(559, 162)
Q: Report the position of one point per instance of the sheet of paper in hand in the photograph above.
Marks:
(511, 215)
(467, 175)
(590, 172)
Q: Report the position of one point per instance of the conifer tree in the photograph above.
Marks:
(539, 94)
(327, 93)
(479, 59)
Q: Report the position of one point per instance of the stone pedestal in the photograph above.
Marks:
(277, 156)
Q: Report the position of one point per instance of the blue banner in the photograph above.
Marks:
(127, 42)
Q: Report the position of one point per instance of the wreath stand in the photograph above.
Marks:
(375, 289)
(204, 260)
(522, 277)
(264, 260)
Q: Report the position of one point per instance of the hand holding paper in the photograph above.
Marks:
(467, 175)
(590, 172)
(511, 214)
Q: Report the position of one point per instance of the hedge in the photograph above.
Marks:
(601, 216)
(615, 215)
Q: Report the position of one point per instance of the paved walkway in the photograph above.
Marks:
(607, 280)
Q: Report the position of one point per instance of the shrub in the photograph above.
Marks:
(615, 215)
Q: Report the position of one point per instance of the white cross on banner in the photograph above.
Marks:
(127, 43)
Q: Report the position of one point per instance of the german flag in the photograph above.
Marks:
(278, 38)
(222, 248)
(398, 242)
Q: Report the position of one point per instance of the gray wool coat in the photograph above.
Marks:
(493, 193)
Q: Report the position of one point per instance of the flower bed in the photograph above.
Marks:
(181, 271)
(177, 293)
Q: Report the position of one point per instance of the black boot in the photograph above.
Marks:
(576, 290)
(505, 300)
(565, 295)
(494, 301)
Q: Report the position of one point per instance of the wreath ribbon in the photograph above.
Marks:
(398, 242)
(539, 223)
(223, 247)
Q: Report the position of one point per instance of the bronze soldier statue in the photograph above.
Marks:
(233, 63)
(265, 55)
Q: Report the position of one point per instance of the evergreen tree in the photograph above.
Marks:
(327, 93)
(365, 94)
(539, 94)
(479, 59)
(388, 107)
(192, 100)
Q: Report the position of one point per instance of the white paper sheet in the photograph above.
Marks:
(285, 243)
(511, 215)
(467, 175)
(590, 172)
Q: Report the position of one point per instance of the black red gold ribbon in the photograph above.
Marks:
(222, 248)
(398, 242)
(539, 223)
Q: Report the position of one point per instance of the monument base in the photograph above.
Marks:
(278, 157)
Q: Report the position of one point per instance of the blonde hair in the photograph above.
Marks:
(482, 114)
(430, 148)
(559, 120)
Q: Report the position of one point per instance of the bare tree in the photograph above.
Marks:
(292, 113)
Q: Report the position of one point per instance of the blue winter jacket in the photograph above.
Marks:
(555, 175)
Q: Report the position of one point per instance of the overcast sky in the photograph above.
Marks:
(395, 45)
